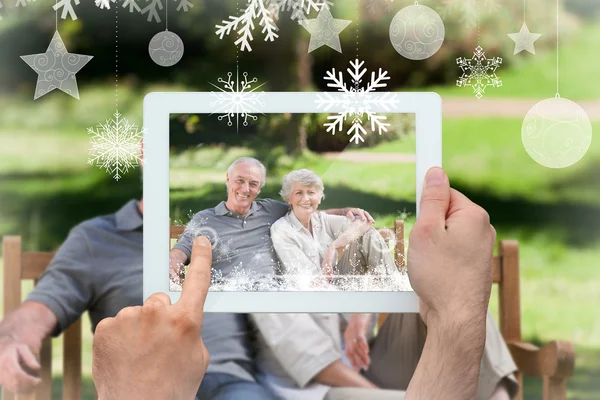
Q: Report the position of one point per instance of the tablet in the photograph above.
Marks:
(190, 141)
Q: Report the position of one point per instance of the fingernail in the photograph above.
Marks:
(435, 176)
(202, 241)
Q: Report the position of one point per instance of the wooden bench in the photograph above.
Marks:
(554, 362)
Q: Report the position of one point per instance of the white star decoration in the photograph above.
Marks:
(524, 39)
(325, 30)
(56, 68)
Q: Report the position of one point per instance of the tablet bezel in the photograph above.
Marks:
(158, 107)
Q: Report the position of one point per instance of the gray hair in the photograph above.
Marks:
(249, 160)
(303, 177)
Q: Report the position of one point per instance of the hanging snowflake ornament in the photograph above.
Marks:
(479, 72)
(356, 104)
(264, 13)
(68, 7)
(115, 146)
(104, 4)
(466, 10)
(237, 98)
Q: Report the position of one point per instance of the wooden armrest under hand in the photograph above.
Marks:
(555, 359)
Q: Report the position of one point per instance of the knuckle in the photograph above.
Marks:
(185, 325)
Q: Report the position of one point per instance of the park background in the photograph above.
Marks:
(46, 186)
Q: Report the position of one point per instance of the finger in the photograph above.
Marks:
(435, 199)
(158, 300)
(360, 213)
(350, 215)
(29, 359)
(458, 202)
(369, 217)
(363, 352)
(197, 280)
(350, 356)
(23, 381)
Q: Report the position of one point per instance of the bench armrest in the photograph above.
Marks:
(555, 360)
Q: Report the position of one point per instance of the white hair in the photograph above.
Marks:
(303, 177)
(252, 161)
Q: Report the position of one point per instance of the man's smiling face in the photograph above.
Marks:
(243, 185)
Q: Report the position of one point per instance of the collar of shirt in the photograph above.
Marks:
(128, 218)
(295, 222)
(221, 209)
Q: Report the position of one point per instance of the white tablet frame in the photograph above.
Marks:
(157, 109)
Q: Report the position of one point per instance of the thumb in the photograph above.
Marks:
(435, 198)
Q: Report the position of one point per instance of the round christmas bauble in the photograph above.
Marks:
(556, 133)
(166, 49)
(417, 32)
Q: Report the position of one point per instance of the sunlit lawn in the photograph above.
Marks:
(559, 293)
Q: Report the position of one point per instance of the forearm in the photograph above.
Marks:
(354, 230)
(177, 257)
(450, 362)
(29, 324)
(337, 211)
(338, 374)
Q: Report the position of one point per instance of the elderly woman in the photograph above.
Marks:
(307, 240)
(301, 356)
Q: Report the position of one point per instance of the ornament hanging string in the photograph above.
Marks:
(557, 36)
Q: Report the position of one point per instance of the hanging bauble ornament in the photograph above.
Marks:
(417, 32)
(166, 49)
(556, 132)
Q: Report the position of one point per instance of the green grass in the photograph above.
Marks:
(553, 213)
(534, 76)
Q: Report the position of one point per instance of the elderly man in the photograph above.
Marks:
(239, 230)
(97, 269)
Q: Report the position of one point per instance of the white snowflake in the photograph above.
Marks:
(68, 7)
(469, 11)
(237, 97)
(403, 215)
(115, 146)
(265, 13)
(132, 6)
(479, 72)
(102, 4)
(185, 5)
(355, 101)
(373, 5)
(23, 3)
(224, 250)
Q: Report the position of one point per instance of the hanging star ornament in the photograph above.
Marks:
(524, 39)
(56, 68)
(325, 30)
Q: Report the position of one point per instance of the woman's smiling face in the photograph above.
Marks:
(304, 199)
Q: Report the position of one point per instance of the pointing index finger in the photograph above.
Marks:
(197, 279)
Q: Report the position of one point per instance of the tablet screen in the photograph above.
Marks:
(286, 227)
